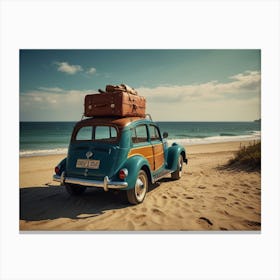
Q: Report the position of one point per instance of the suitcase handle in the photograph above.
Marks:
(100, 106)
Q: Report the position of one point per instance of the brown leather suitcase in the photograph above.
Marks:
(121, 104)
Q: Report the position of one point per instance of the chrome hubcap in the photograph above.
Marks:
(140, 187)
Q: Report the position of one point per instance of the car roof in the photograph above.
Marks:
(119, 122)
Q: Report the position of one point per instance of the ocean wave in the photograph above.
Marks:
(255, 135)
(216, 139)
(255, 132)
(228, 134)
(189, 136)
(33, 153)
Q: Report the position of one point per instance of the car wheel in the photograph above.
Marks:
(176, 175)
(138, 193)
(75, 190)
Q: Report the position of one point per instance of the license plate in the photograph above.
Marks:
(88, 163)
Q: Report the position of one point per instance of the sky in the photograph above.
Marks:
(179, 85)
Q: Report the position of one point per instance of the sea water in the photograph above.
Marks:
(45, 138)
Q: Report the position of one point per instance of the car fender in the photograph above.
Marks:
(62, 165)
(173, 155)
(134, 165)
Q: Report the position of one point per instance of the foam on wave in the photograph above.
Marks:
(32, 153)
(256, 135)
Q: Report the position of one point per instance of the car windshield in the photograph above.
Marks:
(101, 133)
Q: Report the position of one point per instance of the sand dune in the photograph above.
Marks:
(208, 197)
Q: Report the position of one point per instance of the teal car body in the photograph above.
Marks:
(119, 153)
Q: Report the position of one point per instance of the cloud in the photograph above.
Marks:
(65, 67)
(52, 104)
(91, 71)
(249, 80)
(54, 89)
(236, 99)
(49, 96)
(240, 86)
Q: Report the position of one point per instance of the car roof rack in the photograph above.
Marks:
(149, 117)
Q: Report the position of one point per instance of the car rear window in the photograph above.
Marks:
(97, 133)
(84, 133)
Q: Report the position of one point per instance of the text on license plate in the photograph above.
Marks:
(88, 163)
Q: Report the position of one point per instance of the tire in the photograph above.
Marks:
(74, 190)
(176, 175)
(138, 193)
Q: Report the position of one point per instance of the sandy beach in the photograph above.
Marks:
(207, 197)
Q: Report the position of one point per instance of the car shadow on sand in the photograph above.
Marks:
(53, 202)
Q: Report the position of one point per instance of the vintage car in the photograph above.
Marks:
(128, 153)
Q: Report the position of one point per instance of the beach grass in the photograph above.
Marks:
(248, 157)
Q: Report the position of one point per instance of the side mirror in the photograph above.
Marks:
(165, 134)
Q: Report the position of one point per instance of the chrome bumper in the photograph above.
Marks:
(106, 184)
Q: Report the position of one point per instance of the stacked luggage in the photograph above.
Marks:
(117, 100)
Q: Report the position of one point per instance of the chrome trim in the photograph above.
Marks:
(106, 184)
(62, 178)
(89, 154)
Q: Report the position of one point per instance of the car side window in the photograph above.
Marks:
(139, 134)
(154, 133)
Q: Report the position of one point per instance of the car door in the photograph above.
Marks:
(157, 146)
(141, 144)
